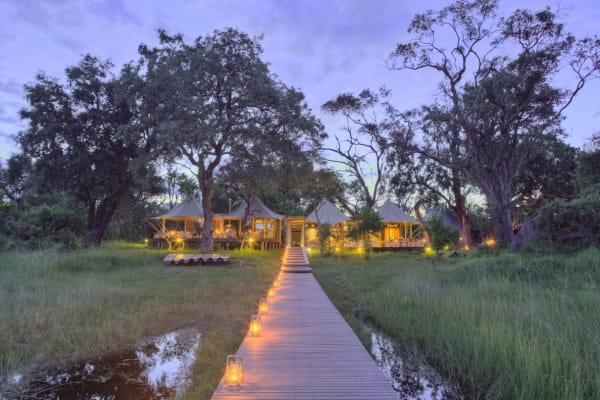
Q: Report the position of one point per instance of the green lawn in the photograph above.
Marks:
(60, 307)
(504, 327)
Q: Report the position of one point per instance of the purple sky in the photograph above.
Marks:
(323, 47)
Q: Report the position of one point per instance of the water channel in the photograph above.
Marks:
(160, 368)
(412, 381)
(156, 369)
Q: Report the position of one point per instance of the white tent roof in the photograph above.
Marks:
(256, 209)
(390, 212)
(328, 214)
(190, 208)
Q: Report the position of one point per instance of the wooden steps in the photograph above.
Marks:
(295, 260)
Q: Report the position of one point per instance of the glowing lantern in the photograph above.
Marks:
(234, 372)
(467, 248)
(271, 291)
(490, 242)
(276, 282)
(146, 241)
(263, 305)
(255, 325)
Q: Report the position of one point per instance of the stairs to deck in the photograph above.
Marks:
(295, 260)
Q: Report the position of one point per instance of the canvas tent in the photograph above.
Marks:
(400, 229)
(324, 213)
(263, 224)
(180, 223)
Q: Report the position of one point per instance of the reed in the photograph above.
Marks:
(511, 326)
(58, 308)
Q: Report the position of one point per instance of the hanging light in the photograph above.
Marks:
(234, 372)
(255, 325)
(263, 305)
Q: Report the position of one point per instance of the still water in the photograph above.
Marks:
(158, 368)
(412, 382)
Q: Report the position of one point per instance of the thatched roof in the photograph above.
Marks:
(390, 212)
(256, 209)
(328, 214)
(190, 208)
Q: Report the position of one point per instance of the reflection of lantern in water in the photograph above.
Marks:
(271, 291)
(255, 325)
(234, 372)
(263, 305)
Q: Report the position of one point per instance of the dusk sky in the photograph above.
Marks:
(322, 47)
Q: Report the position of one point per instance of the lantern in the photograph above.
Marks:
(255, 325)
(263, 305)
(234, 372)
(271, 291)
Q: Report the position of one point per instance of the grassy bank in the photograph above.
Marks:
(504, 327)
(60, 307)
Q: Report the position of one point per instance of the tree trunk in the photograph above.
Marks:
(502, 224)
(206, 188)
(460, 208)
(420, 219)
(99, 219)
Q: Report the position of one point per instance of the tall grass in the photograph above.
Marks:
(58, 307)
(504, 327)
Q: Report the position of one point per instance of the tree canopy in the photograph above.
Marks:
(217, 104)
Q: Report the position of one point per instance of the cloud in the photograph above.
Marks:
(11, 87)
(114, 11)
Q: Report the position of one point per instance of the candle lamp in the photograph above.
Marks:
(263, 305)
(255, 325)
(234, 372)
(271, 291)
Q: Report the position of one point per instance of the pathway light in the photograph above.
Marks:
(255, 325)
(263, 305)
(234, 372)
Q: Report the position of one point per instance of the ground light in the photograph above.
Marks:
(234, 372)
(271, 291)
(255, 325)
(263, 305)
(491, 242)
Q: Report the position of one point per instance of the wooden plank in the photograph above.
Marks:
(306, 351)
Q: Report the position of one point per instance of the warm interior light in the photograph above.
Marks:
(255, 325)
(179, 240)
(263, 305)
(234, 372)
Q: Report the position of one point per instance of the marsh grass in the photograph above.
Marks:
(59, 307)
(509, 326)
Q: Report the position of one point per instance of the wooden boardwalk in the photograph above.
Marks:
(306, 350)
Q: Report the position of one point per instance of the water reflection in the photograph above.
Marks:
(412, 382)
(157, 369)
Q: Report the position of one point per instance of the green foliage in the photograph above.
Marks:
(576, 221)
(441, 234)
(325, 234)
(215, 104)
(60, 308)
(588, 173)
(508, 327)
(80, 135)
(367, 223)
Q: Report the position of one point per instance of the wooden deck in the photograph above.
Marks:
(306, 351)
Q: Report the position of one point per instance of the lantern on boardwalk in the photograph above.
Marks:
(271, 291)
(255, 325)
(234, 372)
(263, 305)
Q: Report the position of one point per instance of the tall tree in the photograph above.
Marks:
(216, 101)
(363, 148)
(495, 86)
(78, 140)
